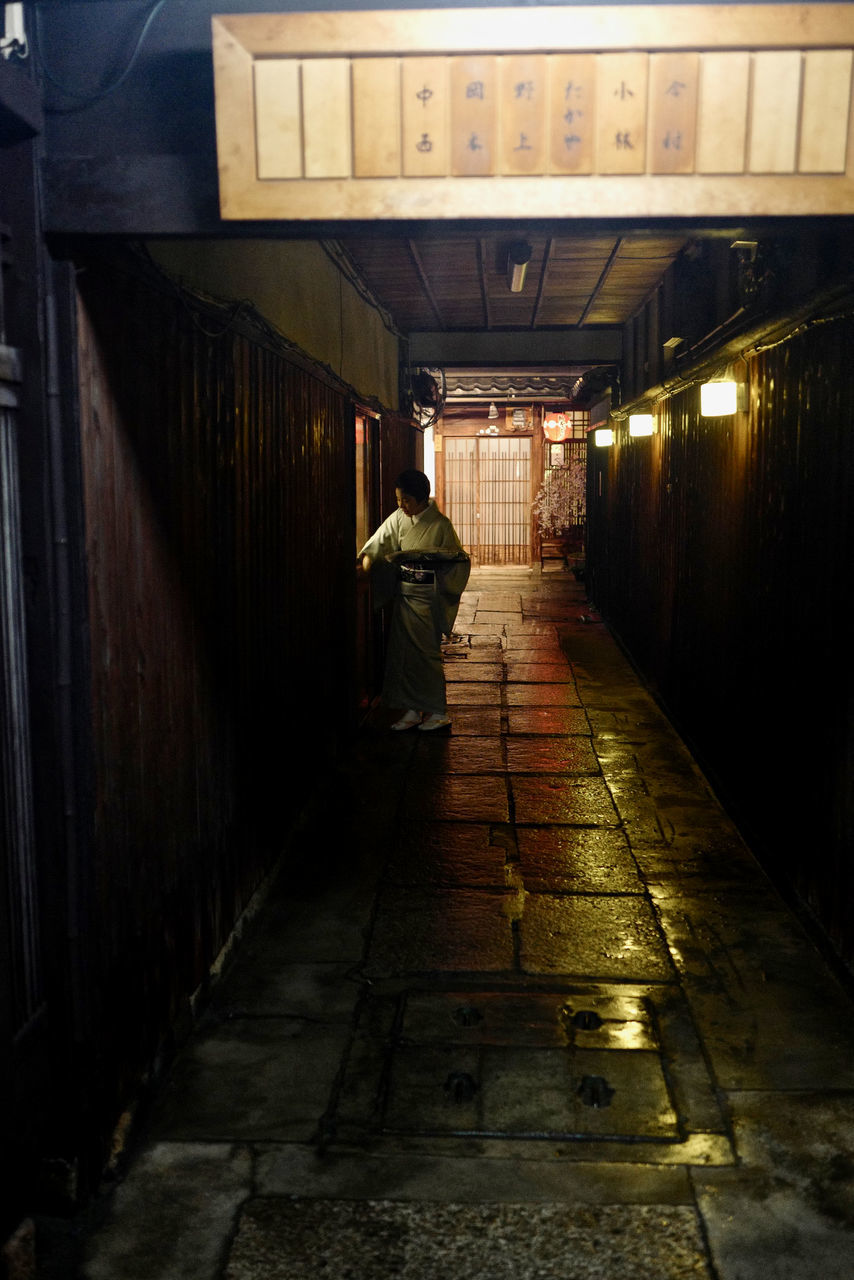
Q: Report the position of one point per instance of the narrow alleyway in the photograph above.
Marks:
(532, 1010)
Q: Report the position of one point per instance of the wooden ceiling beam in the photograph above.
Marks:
(484, 292)
(425, 283)
(600, 283)
(541, 286)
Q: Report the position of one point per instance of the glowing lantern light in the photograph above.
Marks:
(641, 424)
(718, 399)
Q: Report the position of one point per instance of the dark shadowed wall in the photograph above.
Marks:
(218, 493)
(720, 551)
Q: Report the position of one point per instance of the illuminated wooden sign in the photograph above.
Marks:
(636, 110)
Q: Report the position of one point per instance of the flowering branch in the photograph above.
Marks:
(561, 499)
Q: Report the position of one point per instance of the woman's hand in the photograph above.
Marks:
(365, 564)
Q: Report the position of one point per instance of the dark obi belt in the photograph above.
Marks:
(417, 573)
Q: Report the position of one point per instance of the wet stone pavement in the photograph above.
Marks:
(537, 1013)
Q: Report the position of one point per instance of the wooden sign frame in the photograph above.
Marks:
(640, 111)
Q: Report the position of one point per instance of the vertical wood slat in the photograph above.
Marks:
(326, 107)
(376, 117)
(621, 113)
(474, 109)
(774, 113)
(278, 127)
(202, 459)
(425, 111)
(524, 98)
(693, 549)
(673, 86)
(825, 110)
(722, 112)
(572, 112)
(18, 850)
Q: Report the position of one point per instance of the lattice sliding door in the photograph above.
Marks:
(488, 496)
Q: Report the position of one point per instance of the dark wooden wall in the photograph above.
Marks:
(218, 493)
(721, 551)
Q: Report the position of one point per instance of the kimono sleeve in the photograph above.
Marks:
(383, 575)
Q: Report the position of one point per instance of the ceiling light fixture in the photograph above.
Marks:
(518, 256)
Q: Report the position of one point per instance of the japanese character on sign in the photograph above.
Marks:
(425, 144)
(624, 91)
(425, 95)
(524, 144)
(474, 89)
(524, 89)
(624, 142)
(675, 88)
(672, 141)
(474, 143)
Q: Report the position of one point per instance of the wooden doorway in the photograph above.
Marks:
(487, 495)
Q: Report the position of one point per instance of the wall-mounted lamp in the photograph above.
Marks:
(641, 424)
(720, 399)
(493, 411)
(603, 437)
(518, 257)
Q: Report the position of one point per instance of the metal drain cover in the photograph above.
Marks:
(532, 1056)
(617, 1067)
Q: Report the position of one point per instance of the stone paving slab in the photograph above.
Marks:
(485, 629)
(448, 853)
(498, 601)
(537, 642)
(250, 1078)
(474, 672)
(563, 800)
(290, 1169)
(462, 693)
(458, 754)
(467, 721)
(773, 1017)
(599, 935)
(496, 616)
(576, 860)
(542, 695)
(551, 755)
(264, 985)
(516, 630)
(172, 1220)
(430, 930)
(788, 1210)
(538, 672)
(453, 798)
(563, 720)
(377, 1240)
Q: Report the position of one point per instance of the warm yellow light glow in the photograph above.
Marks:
(641, 424)
(718, 399)
(603, 436)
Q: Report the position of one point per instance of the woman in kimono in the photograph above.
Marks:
(418, 561)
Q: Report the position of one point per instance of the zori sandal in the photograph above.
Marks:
(408, 720)
(435, 721)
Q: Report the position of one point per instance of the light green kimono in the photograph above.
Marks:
(414, 678)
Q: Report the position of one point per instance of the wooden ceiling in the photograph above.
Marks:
(458, 282)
